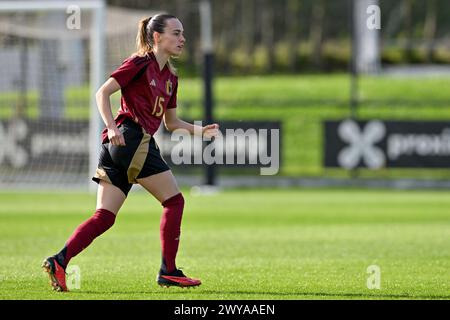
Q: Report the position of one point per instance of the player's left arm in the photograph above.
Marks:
(172, 122)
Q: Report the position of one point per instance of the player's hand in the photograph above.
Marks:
(211, 130)
(116, 137)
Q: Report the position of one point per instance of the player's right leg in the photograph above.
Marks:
(109, 200)
(163, 187)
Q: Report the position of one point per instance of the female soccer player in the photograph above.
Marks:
(129, 154)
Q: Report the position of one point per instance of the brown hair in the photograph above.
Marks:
(144, 38)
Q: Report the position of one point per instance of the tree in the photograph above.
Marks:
(407, 9)
(227, 26)
(429, 30)
(248, 29)
(292, 14)
(267, 32)
(316, 32)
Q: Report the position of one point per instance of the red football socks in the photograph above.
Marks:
(170, 230)
(86, 232)
(102, 220)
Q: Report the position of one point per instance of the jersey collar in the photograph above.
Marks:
(153, 57)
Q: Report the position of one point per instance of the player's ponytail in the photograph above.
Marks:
(143, 45)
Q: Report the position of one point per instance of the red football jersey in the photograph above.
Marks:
(147, 92)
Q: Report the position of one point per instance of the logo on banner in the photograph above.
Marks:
(362, 144)
(11, 136)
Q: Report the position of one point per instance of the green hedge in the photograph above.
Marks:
(334, 58)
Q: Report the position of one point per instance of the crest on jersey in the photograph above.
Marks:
(169, 87)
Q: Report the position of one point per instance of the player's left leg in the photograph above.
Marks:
(163, 187)
(109, 200)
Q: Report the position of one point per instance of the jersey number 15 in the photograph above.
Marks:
(158, 108)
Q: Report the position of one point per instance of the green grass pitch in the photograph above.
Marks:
(243, 244)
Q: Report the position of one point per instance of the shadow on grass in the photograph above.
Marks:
(180, 291)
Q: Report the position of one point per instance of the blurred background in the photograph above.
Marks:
(358, 89)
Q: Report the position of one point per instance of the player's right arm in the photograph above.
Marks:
(104, 107)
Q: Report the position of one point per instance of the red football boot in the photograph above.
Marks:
(176, 278)
(56, 273)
